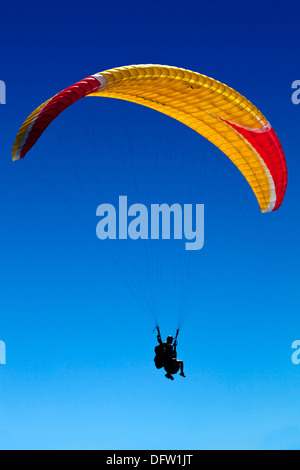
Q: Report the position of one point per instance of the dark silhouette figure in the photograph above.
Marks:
(166, 356)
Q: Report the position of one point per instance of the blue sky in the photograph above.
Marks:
(75, 313)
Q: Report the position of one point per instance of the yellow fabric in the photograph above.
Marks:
(198, 102)
(25, 127)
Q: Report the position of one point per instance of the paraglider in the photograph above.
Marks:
(166, 355)
(212, 109)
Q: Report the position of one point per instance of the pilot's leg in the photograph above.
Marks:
(169, 376)
(181, 368)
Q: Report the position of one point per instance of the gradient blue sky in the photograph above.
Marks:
(79, 371)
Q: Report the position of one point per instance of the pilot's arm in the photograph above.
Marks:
(158, 335)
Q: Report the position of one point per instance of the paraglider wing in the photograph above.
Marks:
(41, 118)
(214, 110)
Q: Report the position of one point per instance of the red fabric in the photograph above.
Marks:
(56, 106)
(269, 148)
